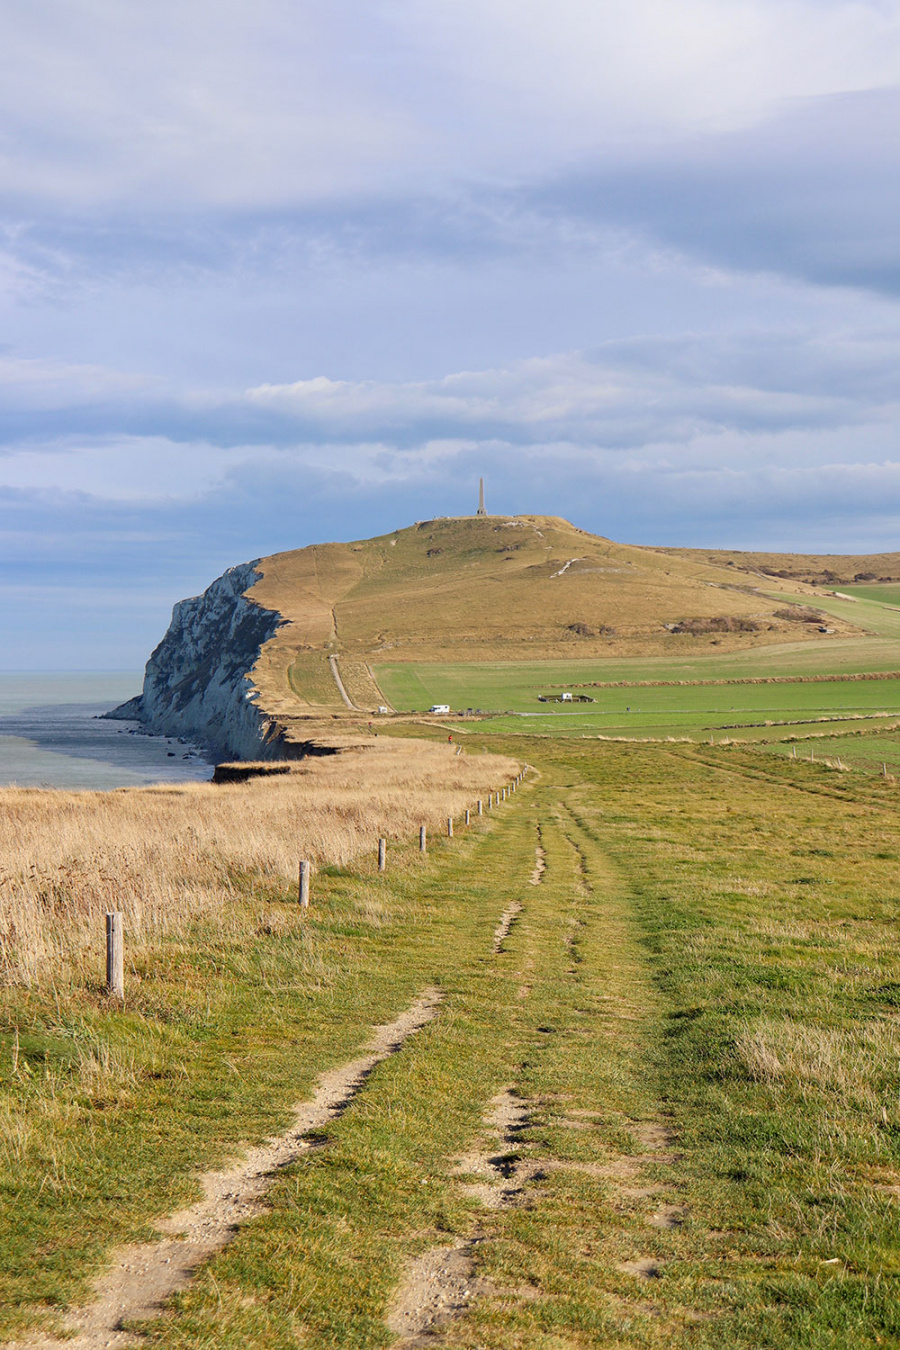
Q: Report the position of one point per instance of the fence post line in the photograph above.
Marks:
(468, 816)
(304, 883)
(449, 827)
(382, 854)
(480, 807)
(422, 840)
(115, 955)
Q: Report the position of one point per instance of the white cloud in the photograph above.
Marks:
(622, 394)
(571, 76)
(271, 103)
(145, 469)
(45, 384)
(219, 103)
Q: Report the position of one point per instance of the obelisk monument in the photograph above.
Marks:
(481, 511)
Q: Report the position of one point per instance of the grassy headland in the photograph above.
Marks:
(492, 589)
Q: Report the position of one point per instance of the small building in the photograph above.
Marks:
(439, 708)
(565, 698)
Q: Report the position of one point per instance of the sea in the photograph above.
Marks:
(52, 735)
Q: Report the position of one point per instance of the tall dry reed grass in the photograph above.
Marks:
(166, 856)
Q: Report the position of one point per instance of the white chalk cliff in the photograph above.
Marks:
(197, 683)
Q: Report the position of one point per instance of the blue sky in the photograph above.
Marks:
(282, 272)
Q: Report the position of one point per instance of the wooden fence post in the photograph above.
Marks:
(382, 854)
(467, 815)
(449, 827)
(422, 843)
(115, 955)
(480, 807)
(304, 883)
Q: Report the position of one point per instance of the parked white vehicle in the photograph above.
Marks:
(439, 708)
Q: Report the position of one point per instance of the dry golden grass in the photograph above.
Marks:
(813, 568)
(167, 855)
(852, 1061)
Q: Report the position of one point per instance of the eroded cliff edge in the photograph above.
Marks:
(197, 682)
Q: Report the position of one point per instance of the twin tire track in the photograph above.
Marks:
(145, 1275)
(439, 1286)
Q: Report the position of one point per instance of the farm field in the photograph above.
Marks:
(884, 593)
(656, 1103)
(867, 753)
(694, 709)
(735, 724)
(865, 610)
(414, 686)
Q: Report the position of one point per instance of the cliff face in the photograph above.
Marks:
(197, 684)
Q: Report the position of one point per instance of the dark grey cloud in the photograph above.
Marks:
(813, 193)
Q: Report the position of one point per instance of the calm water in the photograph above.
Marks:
(50, 735)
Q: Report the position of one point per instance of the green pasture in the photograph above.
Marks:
(696, 726)
(885, 593)
(869, 611)
(696, 710)
(514, 685)
(866, 753)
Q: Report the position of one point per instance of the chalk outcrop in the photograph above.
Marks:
(197, 683)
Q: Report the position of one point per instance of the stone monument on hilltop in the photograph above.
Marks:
(481, 511)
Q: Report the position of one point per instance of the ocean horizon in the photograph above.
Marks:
(53, 735)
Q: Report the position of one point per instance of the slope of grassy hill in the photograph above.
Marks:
(812, 569)
(488, 589)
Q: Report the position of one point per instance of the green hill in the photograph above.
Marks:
(496, 589)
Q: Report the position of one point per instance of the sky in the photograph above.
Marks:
(280, 272)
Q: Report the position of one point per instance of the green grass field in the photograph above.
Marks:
(868, 610)
(695, 1012)
(696, 710)
(414, 686)
(884, 594)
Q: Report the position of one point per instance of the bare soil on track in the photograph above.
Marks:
(144, 1276)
